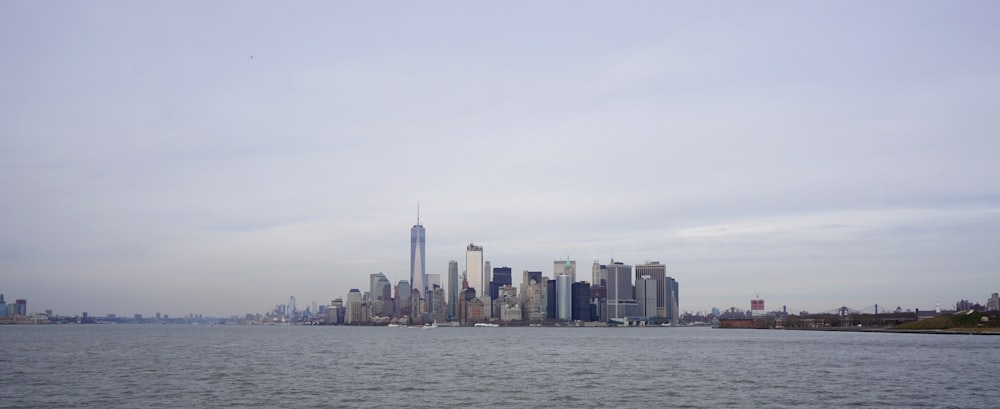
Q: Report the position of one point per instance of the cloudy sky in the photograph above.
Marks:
(217, 157)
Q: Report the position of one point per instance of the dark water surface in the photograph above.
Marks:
(176, 366)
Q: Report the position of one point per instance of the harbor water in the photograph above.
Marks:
(180, 366)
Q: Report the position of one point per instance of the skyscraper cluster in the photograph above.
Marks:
(618, 293)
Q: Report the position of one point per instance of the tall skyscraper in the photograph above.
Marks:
(564, 297)
(474, 269)
(657, 272)
(403, 302)
(620, 301)
(501, 276)
(564, 267)
(645, 295)
(353, 314)
(418, 270)
(381, 295)
(452, 290)
(582, 307)
(600, 273)
(673, 301)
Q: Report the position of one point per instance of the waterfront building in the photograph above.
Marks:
(531, 297)
(564, 267)
(440, 306)
(992, 304)
(3, 307)
(564, 297)
(582, 307)
(658, 272)
(403, 301)
(418, 270)
(645, 296)
(474, 269)
(550, 299)
(20, 307)
(510, 313)
(381, 295)
(757, 307)
(452, 290)
(475, 311)
(599, 298)
(620, 301)
(673, 301)
(353, 307)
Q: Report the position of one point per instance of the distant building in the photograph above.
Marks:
(673, 301)
(474, 269)
(433, 281)
(657, 272)
(381, 295)
(353, 314)
(620, 301)
(646, 289)
(550, 300)
(418, 270)
(757, 308)
(564, 297)
(452, 290)
(403, 301)
(20, 307)
(501, 277)
(993, 304)
(600, 275)
(583, 310)
(564, 267)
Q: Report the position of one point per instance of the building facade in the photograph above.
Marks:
(474, 273)
(418, 268)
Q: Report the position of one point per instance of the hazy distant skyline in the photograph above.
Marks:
(216, 158)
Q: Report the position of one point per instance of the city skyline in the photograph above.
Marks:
(216, 160)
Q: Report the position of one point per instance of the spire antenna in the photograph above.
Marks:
(418, 212)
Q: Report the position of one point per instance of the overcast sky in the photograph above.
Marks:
(217, 157)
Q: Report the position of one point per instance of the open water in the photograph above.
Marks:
(176, 366)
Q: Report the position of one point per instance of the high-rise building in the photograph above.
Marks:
(620, 301)
(600, 273)
(528, 276)
(658, 272)
(353, 313)
(381, 295)
(550, 299)
(501, 276)
(564, 267)
(582, 307)
(673, 301)
(564, 297)
(452, 290)
(403, 301)
(418, 270)
(474, 269)
(645, 295)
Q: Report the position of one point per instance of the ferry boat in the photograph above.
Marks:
(485, 324)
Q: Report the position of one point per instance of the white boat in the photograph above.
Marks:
(431, 325)
(484, 324)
